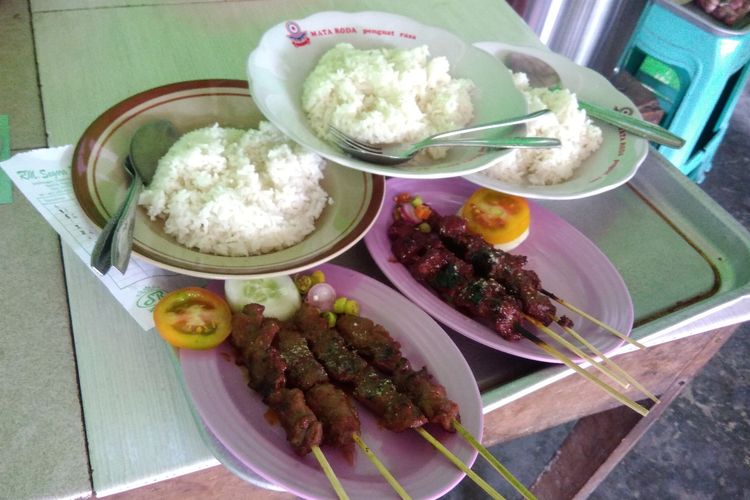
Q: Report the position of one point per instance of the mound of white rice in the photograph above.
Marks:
(385, 95)
(234, 192)
(579, 138)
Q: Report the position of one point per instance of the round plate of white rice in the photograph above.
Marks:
(594, 157)
(383, 78)
(234, 197)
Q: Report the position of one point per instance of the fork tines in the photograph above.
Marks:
(351, 142)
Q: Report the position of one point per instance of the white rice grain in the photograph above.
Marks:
(385, 95)
(232, 192)
(579, 139)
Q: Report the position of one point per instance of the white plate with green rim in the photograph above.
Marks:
(613, 164)
(100, 182)
(287, 53)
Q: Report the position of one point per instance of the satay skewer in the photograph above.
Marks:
(374, 343)
(591, 318)
(611, 363)
(330, 474)
(305, 371)
(470, 274)
(255, 339)
(570, 364)
(378, 393)
(505, 268)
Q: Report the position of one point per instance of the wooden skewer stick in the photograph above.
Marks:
(611, 363)
(570, 364)
(381, 468)
(493, 461)
(592, 319)
(458, 463)
(578, 352)
(329, 473)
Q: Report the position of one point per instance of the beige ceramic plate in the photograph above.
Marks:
(100, 183)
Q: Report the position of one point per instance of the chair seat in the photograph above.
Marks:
(697, 68)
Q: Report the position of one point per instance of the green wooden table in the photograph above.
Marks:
(92, 54)
(132, 424)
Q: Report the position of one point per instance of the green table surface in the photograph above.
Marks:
(134, 424)
(6, 188)
(92, 54)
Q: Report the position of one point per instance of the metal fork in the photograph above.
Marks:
(395, 154)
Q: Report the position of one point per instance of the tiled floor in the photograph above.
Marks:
(700, 448)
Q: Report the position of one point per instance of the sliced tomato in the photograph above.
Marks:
(193, 318)
(498, 217)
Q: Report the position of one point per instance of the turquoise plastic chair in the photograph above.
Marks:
(697, 67)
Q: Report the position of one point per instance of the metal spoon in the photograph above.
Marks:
(150, 142)
(542, 74)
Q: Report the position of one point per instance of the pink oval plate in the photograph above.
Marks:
(235, 415)
(569, 264)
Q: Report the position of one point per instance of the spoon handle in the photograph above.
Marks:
(635, 126)
(497, 143)
(122, 239)
(101, 255)
(492, 125)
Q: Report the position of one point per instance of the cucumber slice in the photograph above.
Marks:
(279, 295)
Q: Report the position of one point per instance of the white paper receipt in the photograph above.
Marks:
(43, 176)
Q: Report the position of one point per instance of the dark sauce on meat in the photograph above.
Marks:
(477, 279)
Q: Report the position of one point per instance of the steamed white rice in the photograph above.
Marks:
(385, 95)
(579, 139)
(234, 192)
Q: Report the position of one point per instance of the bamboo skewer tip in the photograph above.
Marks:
(330, 474)
(611, 363)
(594, 320)
(507, 475)
(381, 468)
(458, 463)
(570, 364)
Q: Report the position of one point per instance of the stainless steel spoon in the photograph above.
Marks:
(542, 74)
(150, 142)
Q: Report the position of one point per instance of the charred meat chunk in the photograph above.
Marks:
(371, 341)
(303, 370)
(338, 415)
(378, 393)
(303, 429)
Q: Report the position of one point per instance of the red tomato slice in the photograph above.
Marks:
(497, 217)
(193, 318)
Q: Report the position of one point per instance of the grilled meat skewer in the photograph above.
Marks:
(252, 338)
(376, 392)
(372, 387)
(330, 404)
(470, 274)
(374, 343)
(505, 268)
(312, 410)
(432, 263)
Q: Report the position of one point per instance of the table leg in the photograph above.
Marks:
(597, 443)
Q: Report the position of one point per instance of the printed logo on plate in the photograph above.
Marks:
(296, 34)
(622, 143)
